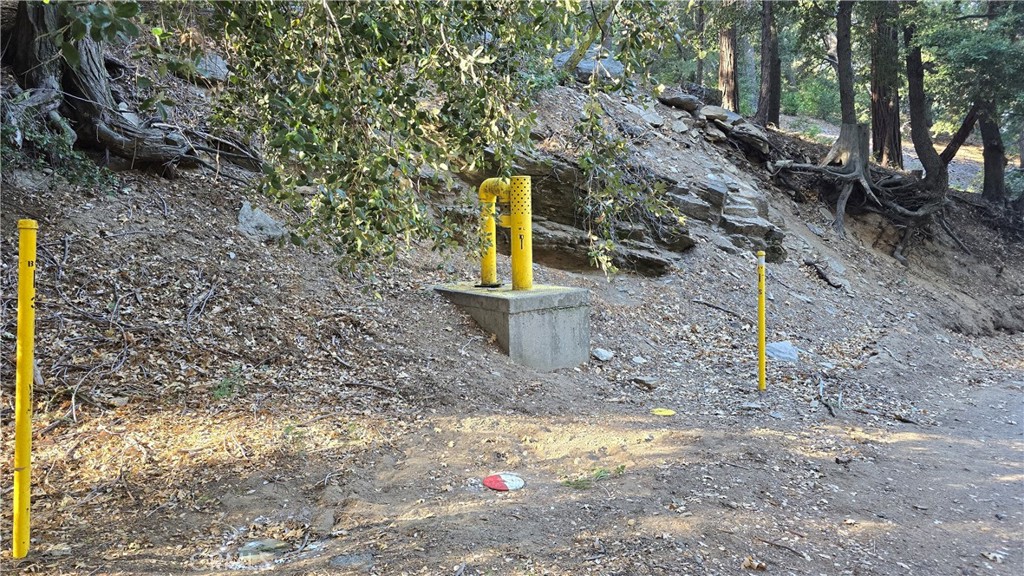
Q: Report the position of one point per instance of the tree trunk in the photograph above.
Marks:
(846, 144)
(966, 127)
(936, 173)
(728, 73)
(88, 102)
(844, 55)
(607, 36)
(769, 95)
(775, 95)
(597, 30)
(994, 153)
(700, 40)
(886, 140)
(1020, 151)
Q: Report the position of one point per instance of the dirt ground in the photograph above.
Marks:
(203, 392)
(209, 404)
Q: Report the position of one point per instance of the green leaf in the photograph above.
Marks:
(78, 29)
(126, 9)
(130, 29)
(71, 55)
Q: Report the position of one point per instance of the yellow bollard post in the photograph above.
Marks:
(522, 236)
(761, 364)
(488, 237)
(24, 357)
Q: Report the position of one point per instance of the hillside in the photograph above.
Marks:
(202, 391)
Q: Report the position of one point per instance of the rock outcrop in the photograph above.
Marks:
(591, 67)
(666, 140)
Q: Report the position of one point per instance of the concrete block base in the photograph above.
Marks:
(546, 328)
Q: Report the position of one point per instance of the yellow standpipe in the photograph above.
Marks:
(522, 236)
(488, 236)
(761, 364)
(24, 357)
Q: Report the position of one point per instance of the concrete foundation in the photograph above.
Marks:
(546, 328)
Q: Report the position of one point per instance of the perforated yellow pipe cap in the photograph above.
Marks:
(520, 201)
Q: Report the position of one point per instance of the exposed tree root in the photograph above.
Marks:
(897, 196)
(82, 95)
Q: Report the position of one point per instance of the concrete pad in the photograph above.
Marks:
(545, 328)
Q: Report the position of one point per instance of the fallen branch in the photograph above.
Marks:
(784, 547)
(717, 307)
(949, 231)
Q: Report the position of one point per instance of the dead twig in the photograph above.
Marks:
(784, 547)
(196, 309)
(945, 226)
(726, 310)
(370, 385)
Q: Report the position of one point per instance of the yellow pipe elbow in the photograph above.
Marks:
(488, 195)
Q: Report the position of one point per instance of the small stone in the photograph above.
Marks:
(714, 135)
(639, 360)
(212, 68)
(750, 406)
(776, 414)
(654, 119)
(718, 113)
(782, 351)
(679, 99)
(260, 551)
(751, 135)
(259, 225)
(602, 354)
(646, 382)
(843, 459)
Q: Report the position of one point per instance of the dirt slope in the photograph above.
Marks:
(203, 391)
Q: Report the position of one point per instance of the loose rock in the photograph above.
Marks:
(259, 225)
(782, 351)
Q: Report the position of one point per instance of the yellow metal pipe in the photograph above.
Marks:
(24, 357)
(489, 193)
(521, 209)
(488, 252)
(761, 328)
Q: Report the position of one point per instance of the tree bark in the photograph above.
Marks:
(770, 93)
(85, 90)
(936, 173)
(846, 144)
(966, 127)
(728, 72)
(1020, 151)
(886, 140)
(844, 55)
(700, 40)
(775, 95)
(994, 154)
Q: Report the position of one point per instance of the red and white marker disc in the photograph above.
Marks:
(504, 482)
